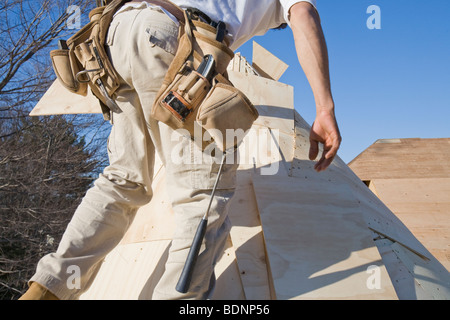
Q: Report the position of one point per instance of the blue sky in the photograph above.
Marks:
(392, 82)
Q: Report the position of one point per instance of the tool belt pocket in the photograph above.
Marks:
(92, 65)
(179, 103)
(226, 114)
(199, 59)
(66, 67)
(205, 43)
(95, 65)
(67, 64)
(82, 62)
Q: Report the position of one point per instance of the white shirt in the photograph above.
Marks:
(244, 18)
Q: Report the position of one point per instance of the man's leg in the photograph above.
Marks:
(190, 177)
(142, 53)
(190, 174)
(189, 182)
(108, 208)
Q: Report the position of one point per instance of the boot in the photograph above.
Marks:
(38, 292)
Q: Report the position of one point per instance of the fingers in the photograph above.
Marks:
(331, 153)
(322, 164)
(328, 154)
(327, 134)
(313, 149)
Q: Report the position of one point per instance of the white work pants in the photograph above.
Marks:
(142, 43)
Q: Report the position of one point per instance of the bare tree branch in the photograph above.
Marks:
(46, 163)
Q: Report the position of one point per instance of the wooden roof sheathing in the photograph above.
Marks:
(296, 233)
(404, 158)
(412, 177)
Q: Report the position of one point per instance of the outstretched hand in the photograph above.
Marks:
(325, 131)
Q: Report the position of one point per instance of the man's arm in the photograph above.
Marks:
(313, 57)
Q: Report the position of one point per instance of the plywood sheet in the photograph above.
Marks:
(427, 191)
(404, 158)
(429, 278)
(273, 100)
(129, 272)
(376, 214)
(317, 249)
(229, 285)
(59, 100)
(248, 241)
(423, 205)
(266, 64)
(154, 221)
(406, 286)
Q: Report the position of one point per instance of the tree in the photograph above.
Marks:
(46, 163)
(45, 171)
(27, 29)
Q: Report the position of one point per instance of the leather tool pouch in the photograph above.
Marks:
(65, 69)
(227, 114)
(186, 97)
(180, 100)
(84, 63)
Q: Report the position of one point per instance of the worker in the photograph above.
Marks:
(141, 42)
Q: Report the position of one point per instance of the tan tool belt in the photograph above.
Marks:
(82, 62)
(186, 95)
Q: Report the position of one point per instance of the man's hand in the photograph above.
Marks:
(313, 57)
(325, 131)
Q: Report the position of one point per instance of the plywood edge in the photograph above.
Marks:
(229, 285)
(430, 275)
(267, 64)
(327, 273)
(246, 236)
(58, 100)
(413, 277)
